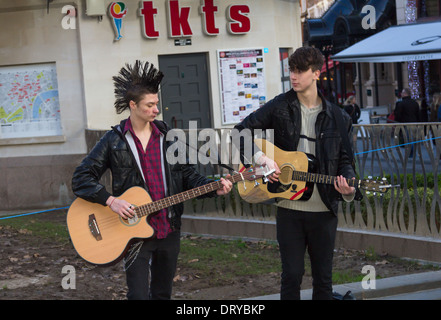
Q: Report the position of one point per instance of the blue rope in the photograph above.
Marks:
(395, 146)
(30, 213)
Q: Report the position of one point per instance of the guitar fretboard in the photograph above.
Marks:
(320, 178)
(151, 207)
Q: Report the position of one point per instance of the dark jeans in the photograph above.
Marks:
(150, 276)
(296, 232)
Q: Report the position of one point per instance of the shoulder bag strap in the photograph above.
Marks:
(344, 135)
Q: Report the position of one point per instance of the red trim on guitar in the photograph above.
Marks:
(298, 193)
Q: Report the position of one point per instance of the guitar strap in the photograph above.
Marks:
(132, 146)
(344, 135)
(345, 138)
(291, 96)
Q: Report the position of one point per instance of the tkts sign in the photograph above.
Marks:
(178, 18)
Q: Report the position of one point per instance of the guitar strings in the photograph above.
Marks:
(143, 210)
(152, 207)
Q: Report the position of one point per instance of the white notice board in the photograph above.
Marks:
(242, 83)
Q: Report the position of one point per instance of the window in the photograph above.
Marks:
(430, 8)
(284, 55)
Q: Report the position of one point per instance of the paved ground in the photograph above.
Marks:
(420, 286)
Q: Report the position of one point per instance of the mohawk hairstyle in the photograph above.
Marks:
(135, 81)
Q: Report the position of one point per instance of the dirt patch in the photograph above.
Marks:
(32, 267)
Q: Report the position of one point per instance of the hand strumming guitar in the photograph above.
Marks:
(263, 160)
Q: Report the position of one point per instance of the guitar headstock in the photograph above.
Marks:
(375, 185)
(253, 173)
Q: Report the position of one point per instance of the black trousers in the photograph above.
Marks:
(150, 275)
(296, 232)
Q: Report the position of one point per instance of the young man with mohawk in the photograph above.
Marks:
(135, 153)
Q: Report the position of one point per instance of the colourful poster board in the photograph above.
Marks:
(242, 83)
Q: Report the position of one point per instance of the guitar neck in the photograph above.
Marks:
(321, 178)
(155, 206)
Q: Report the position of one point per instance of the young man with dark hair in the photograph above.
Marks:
(303, 120)
(135, 153)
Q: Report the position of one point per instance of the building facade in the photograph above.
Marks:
(221, 59)
(334, 26)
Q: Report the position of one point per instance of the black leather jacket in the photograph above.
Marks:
(283, 115)
(113, 152)
(407, 110)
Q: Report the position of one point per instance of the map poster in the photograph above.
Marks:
(242, 83)
(29, 105)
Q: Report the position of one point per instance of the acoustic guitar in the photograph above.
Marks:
(297, 178)
(102, 237)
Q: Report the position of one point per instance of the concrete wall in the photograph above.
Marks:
(31, 36)
(36, 182)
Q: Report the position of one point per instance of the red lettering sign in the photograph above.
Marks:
(148, 12)
(178, 20)
(240, 23)
(208, 10)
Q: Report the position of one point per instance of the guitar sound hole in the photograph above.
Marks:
(285, 177)
(131, 221)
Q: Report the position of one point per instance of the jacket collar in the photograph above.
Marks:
(161, 125)
(327, 106)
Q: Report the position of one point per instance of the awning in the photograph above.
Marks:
(408, 42)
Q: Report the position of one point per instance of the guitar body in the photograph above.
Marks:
(102, 237)
(299, 173)
(286, 188)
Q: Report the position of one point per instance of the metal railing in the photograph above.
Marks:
(407, 155)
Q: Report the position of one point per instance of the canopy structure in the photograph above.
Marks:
(408, 42)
